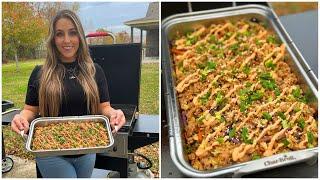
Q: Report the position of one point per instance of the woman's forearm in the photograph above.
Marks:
(105, 109)
(116, 117)
(29, 112)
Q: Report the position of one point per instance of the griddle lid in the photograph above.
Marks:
(121, 64)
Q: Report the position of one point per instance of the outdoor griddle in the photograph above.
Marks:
(121, 64)
(308, 46)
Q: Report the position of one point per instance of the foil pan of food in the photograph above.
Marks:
(70, 135)
(240, 98)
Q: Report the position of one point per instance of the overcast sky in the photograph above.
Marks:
(110, 15)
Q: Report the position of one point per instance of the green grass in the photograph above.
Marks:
(14, 84)
(149, 89)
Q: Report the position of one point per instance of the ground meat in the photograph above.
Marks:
(67, 135)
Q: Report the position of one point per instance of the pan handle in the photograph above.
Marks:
(276, 161)
(24, 136)
(102, 34)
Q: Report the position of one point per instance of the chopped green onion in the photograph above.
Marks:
(301, 123)
(265, 76)
(203, 77)
(213, 47)
(296, 93)
(227, 35)
(232, 132)
(234, 48)
(281, 115)
(310, 137)
(213, 39)
(285, 142)
(215, 84)
(191, 40)
(249, 141)
(273, 40)
(267, 81)
(220, 140)
(244, 92)
(277, 91)
(245, 136)
(247, 33)
(266, 116)
(211, 65)
(285, 124)
(201, 66)
(246, 69)
(255, 156)
(243, 106)
(258, 43)
(247, 96)
(270, 99)
(219, 97)
(256, 95)
(296, 109)
(269, 64)
(204, 99)
(201, 118)
(268, 84)
(244, 133)
(203, 74)
(248, 84)
(219, 117)
(200, 48)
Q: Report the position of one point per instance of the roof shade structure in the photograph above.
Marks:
(150, 21)
(150, 24)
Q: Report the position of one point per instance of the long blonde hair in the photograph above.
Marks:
(51, 89)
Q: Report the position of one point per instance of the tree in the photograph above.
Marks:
(21, 27)
(49, 9)
(123, 37)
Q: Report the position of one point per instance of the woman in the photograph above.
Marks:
(68, 84)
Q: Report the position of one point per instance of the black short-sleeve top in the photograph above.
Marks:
(74, 101)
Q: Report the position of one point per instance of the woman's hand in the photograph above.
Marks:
(117, 119)
(116, 116)
(19, 123)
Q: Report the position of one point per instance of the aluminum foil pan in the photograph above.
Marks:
(73, 151)
(183, 23)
